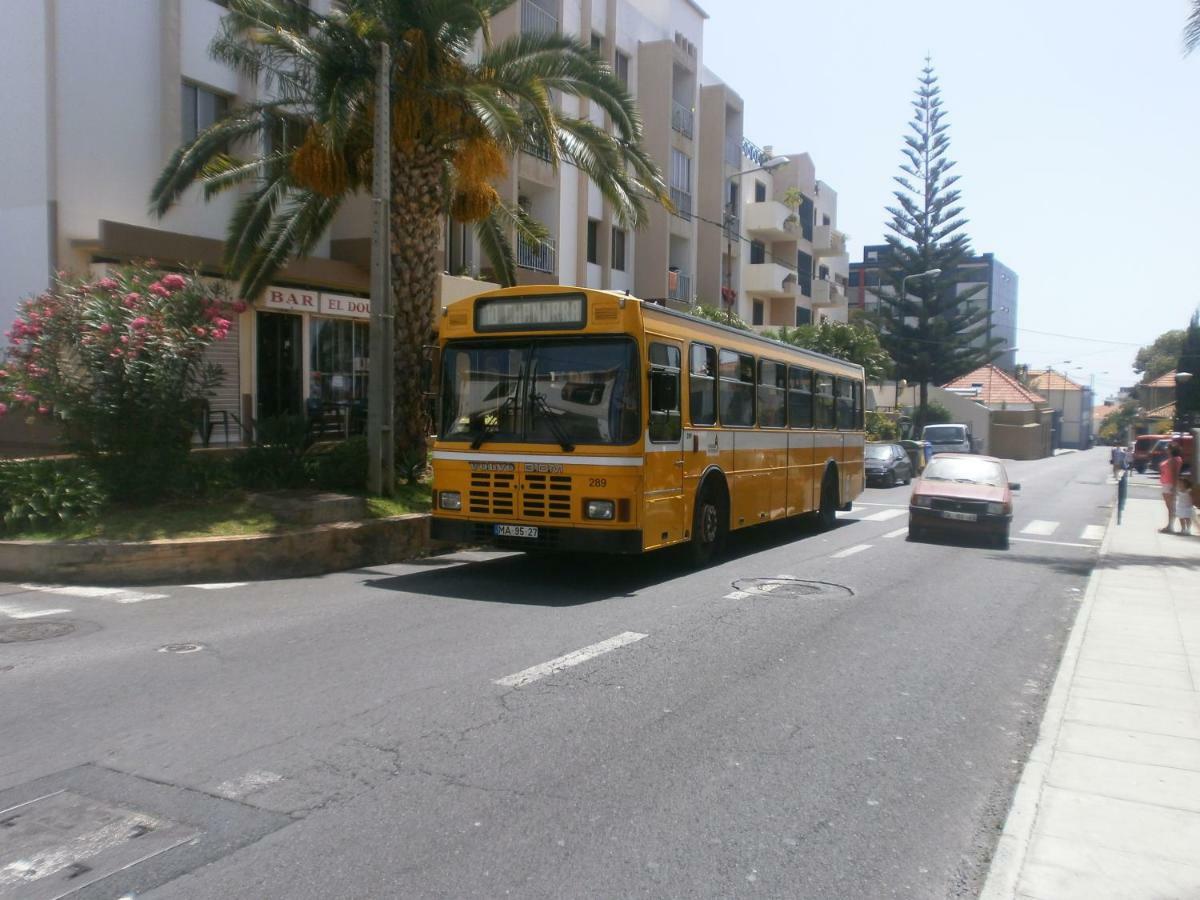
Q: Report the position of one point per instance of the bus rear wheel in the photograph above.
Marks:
(710, 525)
(827, 514)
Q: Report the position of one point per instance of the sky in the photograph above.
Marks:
(1075, 126)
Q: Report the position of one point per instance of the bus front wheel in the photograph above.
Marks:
(710, 524)
(827, 515)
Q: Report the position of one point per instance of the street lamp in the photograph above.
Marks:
(769, 165)
(1181, 421)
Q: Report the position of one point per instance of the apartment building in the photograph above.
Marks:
(994, 284)
(795, 267)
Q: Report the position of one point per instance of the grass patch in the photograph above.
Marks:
(410, 498)
(228, 516)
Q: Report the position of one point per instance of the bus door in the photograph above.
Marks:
(662, 473)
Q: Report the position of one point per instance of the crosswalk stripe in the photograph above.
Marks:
(1092, 533)
(850, 551)
(884, 514)
(1040, 526)
(897, 532)
(18, 612)
(117, 595)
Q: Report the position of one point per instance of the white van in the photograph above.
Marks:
(950, 438)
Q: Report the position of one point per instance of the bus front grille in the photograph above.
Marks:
(491, 494)
(546, 496)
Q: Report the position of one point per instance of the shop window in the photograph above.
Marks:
(338, 362)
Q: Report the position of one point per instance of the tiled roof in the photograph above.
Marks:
(1099, 412)
(1167, 380)
(1166, 411)
(1049, 380)
(995, 386)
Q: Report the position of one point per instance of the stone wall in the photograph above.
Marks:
(287, 554)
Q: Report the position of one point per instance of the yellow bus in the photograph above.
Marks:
(577, 419)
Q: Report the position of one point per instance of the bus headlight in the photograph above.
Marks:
(450, 500)
(599, 509)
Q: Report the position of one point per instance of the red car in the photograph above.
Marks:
(960, 492)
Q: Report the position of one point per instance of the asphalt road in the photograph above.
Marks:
(851, 726)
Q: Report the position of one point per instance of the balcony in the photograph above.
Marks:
(769, 280)
(769, 220)
(683, 118)
(827, 292)
(682, 201)
(679, 286)
(536, 20)
(733, 151)
(540, 257)
(828, 241)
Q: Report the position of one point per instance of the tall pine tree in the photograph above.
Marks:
(933, 332)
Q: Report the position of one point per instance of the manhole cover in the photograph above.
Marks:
(181, 648)
(33, 631)
(790, 588)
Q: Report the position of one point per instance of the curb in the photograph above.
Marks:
(316, 550)
(1009, 856)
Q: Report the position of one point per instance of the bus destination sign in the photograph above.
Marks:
(560, 311)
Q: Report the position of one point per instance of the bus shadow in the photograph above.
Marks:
(574, 579)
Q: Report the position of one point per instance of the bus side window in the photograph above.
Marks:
(826, 413)
(772, 393)
(845, 403)
(736, 388)
(860, 412)
(702, 384)
(800, 397)
(666, 423)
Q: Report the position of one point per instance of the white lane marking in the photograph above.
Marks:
(218, 585)
(20, 612)
(884, 514)
(1054, 543)
(737, 595)
(897, 532)
(533, 673)
(850, 551)
(236, 788)
(1040, 526)
(117, 595)
(1092, 533)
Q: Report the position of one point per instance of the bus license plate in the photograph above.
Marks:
(520, 531)
(960, 517)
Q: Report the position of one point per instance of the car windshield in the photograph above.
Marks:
(541, 391)
(974, 471)
(944, 434)
(879, 451)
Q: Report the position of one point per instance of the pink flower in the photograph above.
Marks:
(239, 307)
(108, 284)
(139, 322)
(173, 282)
(43, 410)
(158, 289)
(131, 300)
(3, 373)
(124, 339)
(3, 408)
(105, 328)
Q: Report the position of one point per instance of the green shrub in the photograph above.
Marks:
(881, 427)
(937, 414)
(41, 493)
(276, 461)
(339, 467)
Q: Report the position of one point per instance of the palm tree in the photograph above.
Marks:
(1191, 31)
(462, 106)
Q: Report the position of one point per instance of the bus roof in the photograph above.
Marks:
(655, 309)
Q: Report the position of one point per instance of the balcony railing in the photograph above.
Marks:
(535, 20)
(536, 147)
(682, 201)
(682, 118)
(733, 150)
(679, 286)
(537, 256)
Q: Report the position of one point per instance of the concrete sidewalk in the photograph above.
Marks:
(1109, 802)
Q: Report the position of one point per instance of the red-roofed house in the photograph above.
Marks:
(1020, 421)
(1071, 401)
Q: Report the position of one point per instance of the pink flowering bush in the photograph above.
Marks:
(120, 361)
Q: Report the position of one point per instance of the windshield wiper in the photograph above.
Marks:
(482, 434)
(539, 402)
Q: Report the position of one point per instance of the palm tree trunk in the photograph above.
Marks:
(417, 201)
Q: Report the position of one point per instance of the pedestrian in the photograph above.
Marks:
(1183, 504)
(1168, 474)
(1117, 459)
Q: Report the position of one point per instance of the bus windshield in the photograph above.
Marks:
(544, 391)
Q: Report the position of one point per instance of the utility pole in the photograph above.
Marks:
(381, 440)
